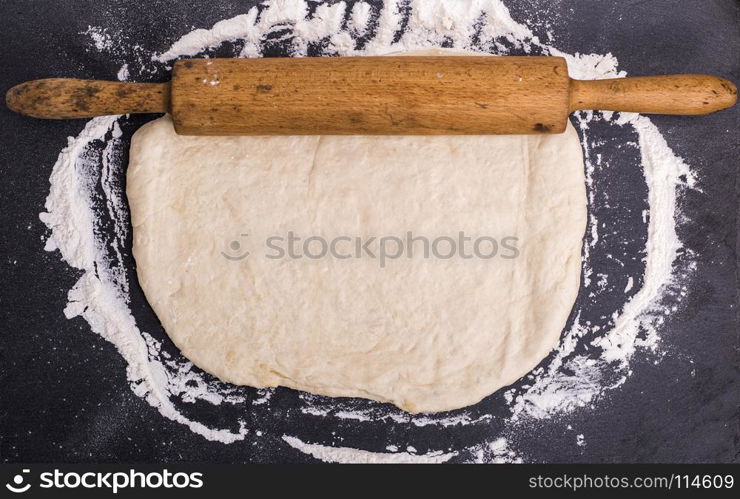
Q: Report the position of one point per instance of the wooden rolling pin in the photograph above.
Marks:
(372, 95)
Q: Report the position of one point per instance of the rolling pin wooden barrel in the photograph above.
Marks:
(372, 96)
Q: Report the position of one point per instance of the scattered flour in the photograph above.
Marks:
(580, 440)
(97, 295)
(495, 452)
(349, 455)
(570, 380)
(101, 38)
(123, 73)
(360, 18)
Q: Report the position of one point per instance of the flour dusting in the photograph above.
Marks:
(99, 295)
(348, 455)
(593, 356)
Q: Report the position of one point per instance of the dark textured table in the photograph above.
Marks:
(64, 394)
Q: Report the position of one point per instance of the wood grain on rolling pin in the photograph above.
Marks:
(371, 95)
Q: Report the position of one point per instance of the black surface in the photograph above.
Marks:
(64, 395)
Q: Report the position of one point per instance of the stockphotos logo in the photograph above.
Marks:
(112, 481)
(18, 484)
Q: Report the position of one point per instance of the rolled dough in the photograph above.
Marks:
(427, 334)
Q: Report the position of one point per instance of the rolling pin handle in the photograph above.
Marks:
(684, 94)
(62, 98)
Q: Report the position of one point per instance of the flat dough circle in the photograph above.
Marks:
(425, 334)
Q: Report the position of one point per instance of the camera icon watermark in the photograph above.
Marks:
(17, 486)
(235, 249)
